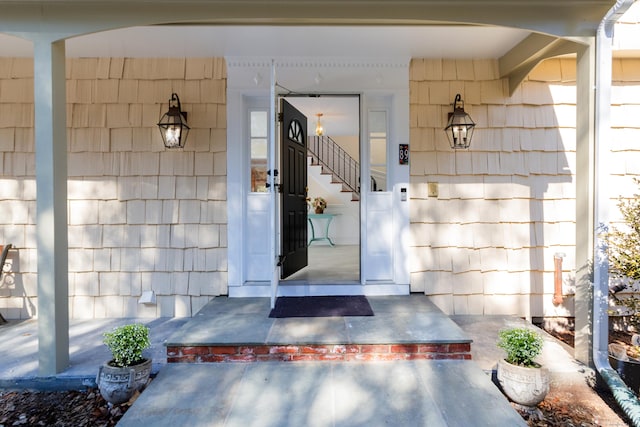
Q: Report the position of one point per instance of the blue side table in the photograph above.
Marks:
(327, 218)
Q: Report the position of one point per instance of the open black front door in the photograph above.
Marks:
(293, 179)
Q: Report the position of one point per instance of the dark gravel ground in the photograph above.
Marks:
(567, 408)
(58, 408)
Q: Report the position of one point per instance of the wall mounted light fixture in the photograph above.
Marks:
(173, 125)
(319, 128)
(459, 126)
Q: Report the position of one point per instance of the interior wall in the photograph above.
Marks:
(141, 218)
(345, 227)
(349, 143)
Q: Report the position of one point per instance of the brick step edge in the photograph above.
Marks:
(298, 353)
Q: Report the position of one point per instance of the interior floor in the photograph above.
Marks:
(330, 264)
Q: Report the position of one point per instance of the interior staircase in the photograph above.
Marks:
(343, 169)
(330, 183)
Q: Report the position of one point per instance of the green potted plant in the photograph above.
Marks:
(522, 379)
(128, 370)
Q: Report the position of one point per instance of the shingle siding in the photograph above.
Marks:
(506, 205)
(138, 215)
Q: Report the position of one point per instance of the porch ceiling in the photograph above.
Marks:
(519, 33)
(561, 18)
(348, 42)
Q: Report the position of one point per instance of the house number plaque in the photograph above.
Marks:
(404, 154)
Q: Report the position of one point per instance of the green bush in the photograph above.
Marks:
(624, 253)
(624, 243)
(521, 344)
(127, 343)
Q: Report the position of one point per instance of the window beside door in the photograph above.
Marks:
(258, 128)
(378, 150)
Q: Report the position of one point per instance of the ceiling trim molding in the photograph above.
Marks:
(306, 63)
(313, 75)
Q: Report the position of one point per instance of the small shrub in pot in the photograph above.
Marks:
(524, 381)
(127, 344)
(522, 346)
(128, 371)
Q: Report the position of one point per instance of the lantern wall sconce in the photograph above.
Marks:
(459, 126)
(173, 125)
(319, 128)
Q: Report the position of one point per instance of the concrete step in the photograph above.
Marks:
(402, 393)
(402, 328)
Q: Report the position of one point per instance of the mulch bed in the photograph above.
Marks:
(568, 407)
(59, 408)
(563, 408)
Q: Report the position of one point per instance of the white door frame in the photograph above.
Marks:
(245, 79)
(274, 217)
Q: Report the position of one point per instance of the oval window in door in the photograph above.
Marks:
(296, 132)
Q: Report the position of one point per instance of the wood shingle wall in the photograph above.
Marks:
(486, 243)
(140, 217)
(143, 218)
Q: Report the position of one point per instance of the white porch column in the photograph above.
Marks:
(51, 217)
(585, 176)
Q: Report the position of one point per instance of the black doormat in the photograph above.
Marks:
(327, 306)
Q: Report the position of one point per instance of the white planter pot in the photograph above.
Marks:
(525, 386)
(117, 385)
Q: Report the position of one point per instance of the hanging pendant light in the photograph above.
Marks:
(459, 126)
(319, 128)
(173, 125)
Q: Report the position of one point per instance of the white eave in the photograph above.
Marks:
(519, 33)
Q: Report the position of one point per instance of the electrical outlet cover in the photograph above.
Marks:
(432, 188)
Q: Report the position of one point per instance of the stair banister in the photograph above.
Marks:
(327, 153)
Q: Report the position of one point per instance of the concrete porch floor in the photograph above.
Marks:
(401, 392)
(403, 327)
(404, 390)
